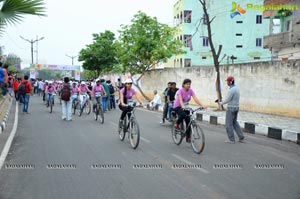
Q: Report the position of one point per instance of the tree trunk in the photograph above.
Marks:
(139, 88)
(215, 54)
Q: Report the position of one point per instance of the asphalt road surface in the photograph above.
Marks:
(83, 159)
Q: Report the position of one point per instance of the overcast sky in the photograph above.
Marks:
(70, 24)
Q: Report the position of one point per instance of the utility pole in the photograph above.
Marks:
(72, 57)
(32, 42)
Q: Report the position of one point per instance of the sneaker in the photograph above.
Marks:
(162, 121)
(229, 142)
(242, 139)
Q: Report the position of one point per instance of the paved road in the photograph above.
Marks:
(43, 140)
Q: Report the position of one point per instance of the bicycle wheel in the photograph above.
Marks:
(80, 109)
(51, 105)
(197, 138)
(101, 115)
(88, 107)
(96, 113)
(74, 104)
(176, 134)
(134, 134)
(121, 130)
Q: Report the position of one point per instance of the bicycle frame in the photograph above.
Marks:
(192, 115)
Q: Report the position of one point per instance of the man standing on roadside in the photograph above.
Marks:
(25, 89)
(232, 99)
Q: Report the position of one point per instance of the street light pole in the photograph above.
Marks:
(72, 57)
(32, 42)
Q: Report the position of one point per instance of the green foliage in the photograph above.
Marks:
(88, 74)
(12, 60)
(145, 43)
(13, 11)
(100, 56)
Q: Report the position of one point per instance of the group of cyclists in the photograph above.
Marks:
(177, 100)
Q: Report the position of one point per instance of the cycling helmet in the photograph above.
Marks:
(128, 81)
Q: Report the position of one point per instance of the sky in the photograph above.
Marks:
(69, 26)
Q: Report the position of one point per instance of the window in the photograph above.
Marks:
(187, 62)
(188, 41)
(204, 19)
(205, 41)
(258, 19)
(203, 57)
(239, 46)
(239, 21)
(238, 34)
(258, 42)
(187, 16)
(256, 58)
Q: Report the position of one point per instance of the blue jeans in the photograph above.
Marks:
(112, 102)
(170, 106)
(3, 87)
(104, 103)
(50, 96)
(25, 100)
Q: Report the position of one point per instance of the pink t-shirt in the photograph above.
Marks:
(186, 96)
(50, 89)
(74, 90)
(129, 93)
(83, 89)
(97, 89)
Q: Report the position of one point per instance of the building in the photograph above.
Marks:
(240, 31)
(283, 39)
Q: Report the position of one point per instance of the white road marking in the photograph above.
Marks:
(145, 140)
(10, 138)
(114, 124)
(190, 163)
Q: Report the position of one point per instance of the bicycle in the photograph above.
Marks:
(98, 109)
(132, 127)
(86, 107)
(75, 106)
(51, 101)
(197, 135)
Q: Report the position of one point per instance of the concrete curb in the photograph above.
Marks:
(269, 131)
(5, 118)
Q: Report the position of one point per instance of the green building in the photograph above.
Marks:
(238, 30)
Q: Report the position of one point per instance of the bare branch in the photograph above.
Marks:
(219, 51)
(212, 20)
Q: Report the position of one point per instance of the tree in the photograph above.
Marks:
(100, 56)
(13, 11)
(145, 43)
(12, 61)
(215, 54)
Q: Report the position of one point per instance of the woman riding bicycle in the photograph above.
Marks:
(83, 96)
(97, 92)
(183, 97)
(50, 90)
(74, 92)
(126, 95)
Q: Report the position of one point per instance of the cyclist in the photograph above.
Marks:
(97, 92)
(126, 95)
(50, 90)
(181, 103)
(83, 96)
(74, 92)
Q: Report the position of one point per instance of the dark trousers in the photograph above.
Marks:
(125, 110)
(112, 102)
(183, 115)
(16, 95)
(165, 111)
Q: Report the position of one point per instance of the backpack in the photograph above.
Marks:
(66, 92)
(111, 89)
(22, 89)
